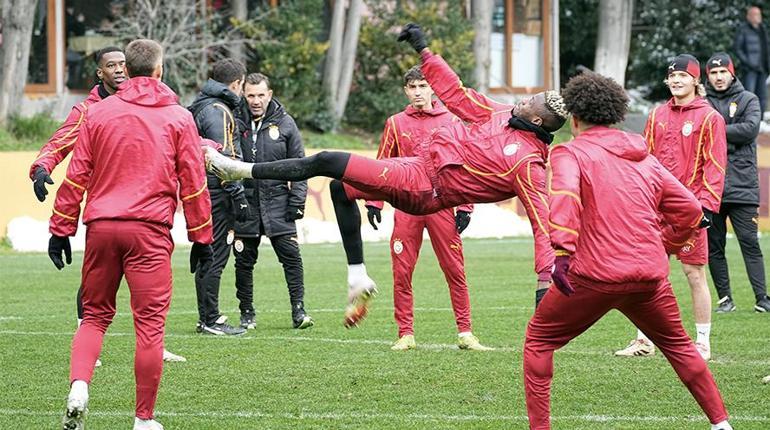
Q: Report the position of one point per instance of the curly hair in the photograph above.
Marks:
(595, 99)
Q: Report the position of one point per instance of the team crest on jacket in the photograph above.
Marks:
(511, 149)
(274, 132)
(398, 246)
(687, 128)
(238, 245)
(733, 109)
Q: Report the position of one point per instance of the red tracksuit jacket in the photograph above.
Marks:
(134, 151)
(690, 142)
(406, 133)
(607, 198)
(63, 140)
(496, 161)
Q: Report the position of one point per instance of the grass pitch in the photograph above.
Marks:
(329, 377)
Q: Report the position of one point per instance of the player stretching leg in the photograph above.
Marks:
(492, 160)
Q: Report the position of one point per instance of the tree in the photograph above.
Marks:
(482, 25)
(16, 19)
(614, 39)
(340, 58)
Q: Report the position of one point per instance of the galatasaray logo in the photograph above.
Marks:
(274, 132)
(238, 245)
(733, 109)
(687, 128)
(511, 149)
(398, 246)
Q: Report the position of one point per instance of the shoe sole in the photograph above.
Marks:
(357, 311)
(760, 309)
(249, 326)
(307, 323)
(73, 419)
(635, 354)
(220, 333)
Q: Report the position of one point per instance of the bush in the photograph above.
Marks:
(291, 53)
(376, 92)
(27, 133)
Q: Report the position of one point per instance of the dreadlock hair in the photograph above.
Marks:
(595, 99)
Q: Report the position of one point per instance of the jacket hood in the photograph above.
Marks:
(94, 95)
(436, 110)
(697, 103)
(146, 91)
(629, 146)
(218, 90)
(735, 88)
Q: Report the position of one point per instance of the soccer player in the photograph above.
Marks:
(496, 158)
(607, 196)
(212, 110)
(740, 201)
(403, 135)
(134, 151)
(688, 137)
(110, 70)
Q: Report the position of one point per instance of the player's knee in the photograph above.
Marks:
(337, 190)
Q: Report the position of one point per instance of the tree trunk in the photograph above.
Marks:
(352, 29)
(16, 19)
(332, 66)
(614, 38)
(482, 25)
(240, 13)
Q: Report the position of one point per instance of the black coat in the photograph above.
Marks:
(213, 111)
(751, 47)
(742, 127)
(277, 138)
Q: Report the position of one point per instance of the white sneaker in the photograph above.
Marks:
(637, 348)
(766, 379)
(360, 294)
(77, 407)
(170, 357)
(146, 424)
(704, 350)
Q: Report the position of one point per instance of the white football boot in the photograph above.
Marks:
(77, 407)
(146, 424)
(170, 357)
(637, 348)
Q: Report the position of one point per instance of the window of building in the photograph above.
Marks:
(89, 27)
(519, 47)
(41, 66)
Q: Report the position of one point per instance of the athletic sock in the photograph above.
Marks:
(464, 334)
(723, 425)
(642, 336)
(356, 272)
(79, 389)
(704, 332)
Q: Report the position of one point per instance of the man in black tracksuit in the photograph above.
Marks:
(752, 47)
(270, 134)
(213, 112)
(740, 200)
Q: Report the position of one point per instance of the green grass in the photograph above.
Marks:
(27, 133)
(329, 377)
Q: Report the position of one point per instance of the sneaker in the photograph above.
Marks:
(637, 348)
(359, 297)
(77, 407)
(766, 379)
(248, 321)
(404, 343)
(763, 305)
(725, 305)
(146, 424)
(199, 327)
(221, 328)
(704, 350)
(300, 320)
(170, 357)
(471, 343)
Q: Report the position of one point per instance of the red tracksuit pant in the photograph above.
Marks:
(141, 252)
(405, 246)
(560, 319)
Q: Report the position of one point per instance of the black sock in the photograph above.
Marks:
(331, 164)
(79, 303)
(349, 221)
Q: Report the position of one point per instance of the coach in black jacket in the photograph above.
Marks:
(213, 114)
(752, 47)
(740, 201)
(270, 134)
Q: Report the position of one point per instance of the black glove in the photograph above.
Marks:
(708, 216)
(39, 179)
(201, 257)
(414, 36)
(462, 219)
(539, 294)
(294, 213)
(241, 207)
(374, 213)
(56, 245)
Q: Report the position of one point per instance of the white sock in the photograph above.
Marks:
(704, 332)
(642, 336)
(724, 425)
(356, 272)
(464, 334)
(80, 321)
(79, 389)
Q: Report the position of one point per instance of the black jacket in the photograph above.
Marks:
(740, 109)
(277, 138)
(751, 47)
(213, 112)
